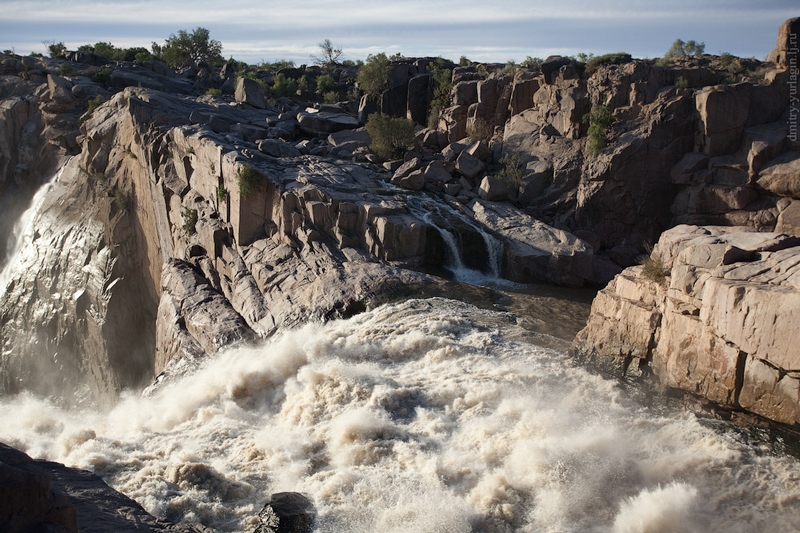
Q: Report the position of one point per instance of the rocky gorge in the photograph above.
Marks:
(181, 223)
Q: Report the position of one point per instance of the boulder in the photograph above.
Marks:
(277, 148)
(250, 92)
(468, 165)
(493, 189)
(786, 48)
(781, 176)
(313, 122)
(724, 110)
(287, 512)
(465, 93)
(524, 87)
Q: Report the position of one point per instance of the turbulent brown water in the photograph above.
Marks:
(424, 416)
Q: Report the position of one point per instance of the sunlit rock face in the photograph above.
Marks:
(711, 315)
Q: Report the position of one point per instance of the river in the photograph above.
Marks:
(421, 416)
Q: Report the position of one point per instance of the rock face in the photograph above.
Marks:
(721, 324)
(27, 500)
(43, 496)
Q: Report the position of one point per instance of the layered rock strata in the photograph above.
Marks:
(714, 313)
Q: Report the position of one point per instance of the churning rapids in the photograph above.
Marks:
(423, 416)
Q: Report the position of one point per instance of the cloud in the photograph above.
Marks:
(489, 31)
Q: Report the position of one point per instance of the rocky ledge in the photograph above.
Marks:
(713, 312)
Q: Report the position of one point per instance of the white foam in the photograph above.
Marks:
(421, 417)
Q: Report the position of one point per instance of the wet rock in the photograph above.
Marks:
(534, 250)
(287, 512)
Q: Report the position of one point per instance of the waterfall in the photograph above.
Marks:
(436, 214)
(22, 233)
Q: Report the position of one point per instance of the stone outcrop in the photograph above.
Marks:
(28, 502)
(43, 496)
(287, 512)
(720, 324)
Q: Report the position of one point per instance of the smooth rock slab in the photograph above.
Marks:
(534, 250)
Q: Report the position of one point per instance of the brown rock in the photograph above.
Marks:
(781, 176)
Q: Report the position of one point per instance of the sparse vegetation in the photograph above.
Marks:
(121, 200)
(390, 136)
(189, 220)
(109, 51)
(480, 130)
(594, 63)
(681, 49)
(443, 83)
(250, 181)
(99, 75)
(65, 69)
(330, 97)
(600, 120)
(213, 91)
(653, 267)
(681, 82)
(93, 104)
(373, 76)
(512, 171)
(222, 193)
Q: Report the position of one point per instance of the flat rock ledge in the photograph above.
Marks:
(720, 323)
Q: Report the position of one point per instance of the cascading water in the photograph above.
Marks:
(436, 214)
(23, 231)
(424, 416)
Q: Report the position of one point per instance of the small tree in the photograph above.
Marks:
(373, 76)
(55, 49)
(329, 54)
(186, 48)
(600, 120)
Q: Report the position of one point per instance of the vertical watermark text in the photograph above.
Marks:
(794, 100)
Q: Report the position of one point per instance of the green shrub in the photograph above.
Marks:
(680, 48)
(373, 76)
(99, 75)
(189, 220)
(330, 97)
(512, 171)
(56, 50)
(532, 62)
(213, 91)
(443, 83)
(681, 82)
(250, 181)
(325, 83)
(600, 120)
(284, 86)
(222, 193)
(65, 69)
(391, 137)
(617, 58)
(93, 104)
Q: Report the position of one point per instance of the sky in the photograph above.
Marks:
(256, 31)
